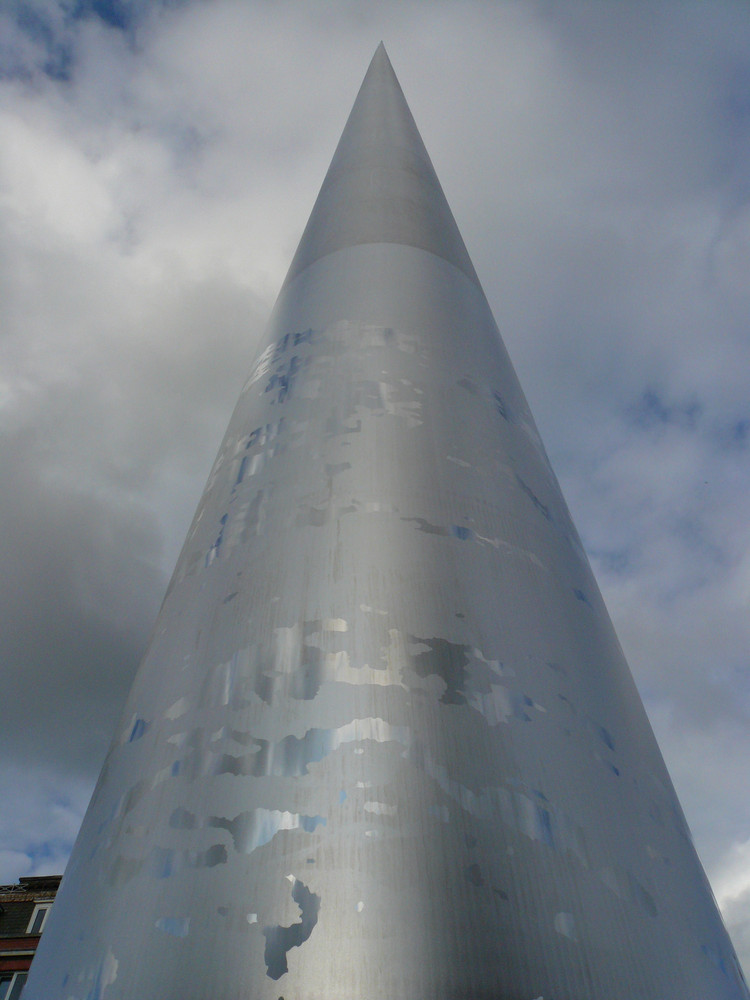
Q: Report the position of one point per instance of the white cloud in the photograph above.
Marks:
(36, 835)
(49, 184)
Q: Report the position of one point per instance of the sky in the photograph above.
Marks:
(158, 163)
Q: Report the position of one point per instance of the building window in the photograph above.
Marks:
(37, 922)
(11, 985)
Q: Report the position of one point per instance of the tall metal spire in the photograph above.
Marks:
(381, 186)
(384, 743)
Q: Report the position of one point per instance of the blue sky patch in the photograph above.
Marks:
(652, 410)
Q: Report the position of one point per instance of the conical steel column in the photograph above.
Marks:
(384, 744)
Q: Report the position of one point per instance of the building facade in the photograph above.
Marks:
(24, 909)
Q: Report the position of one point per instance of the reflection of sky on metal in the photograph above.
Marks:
(383, 675)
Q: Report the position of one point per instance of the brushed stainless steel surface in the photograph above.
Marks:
(384, 744)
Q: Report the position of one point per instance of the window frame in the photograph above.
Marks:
(10, 981)
(44, 908)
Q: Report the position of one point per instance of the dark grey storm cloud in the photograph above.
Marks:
(158, 162)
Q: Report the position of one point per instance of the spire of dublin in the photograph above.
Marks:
(384, 744)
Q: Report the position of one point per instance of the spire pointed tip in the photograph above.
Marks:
(380, 54)
(381, 186)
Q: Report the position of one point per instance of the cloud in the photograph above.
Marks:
(158, 162)
(43, 823)
(732, 889)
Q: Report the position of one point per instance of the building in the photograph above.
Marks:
(384, 742)
(24, 909)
